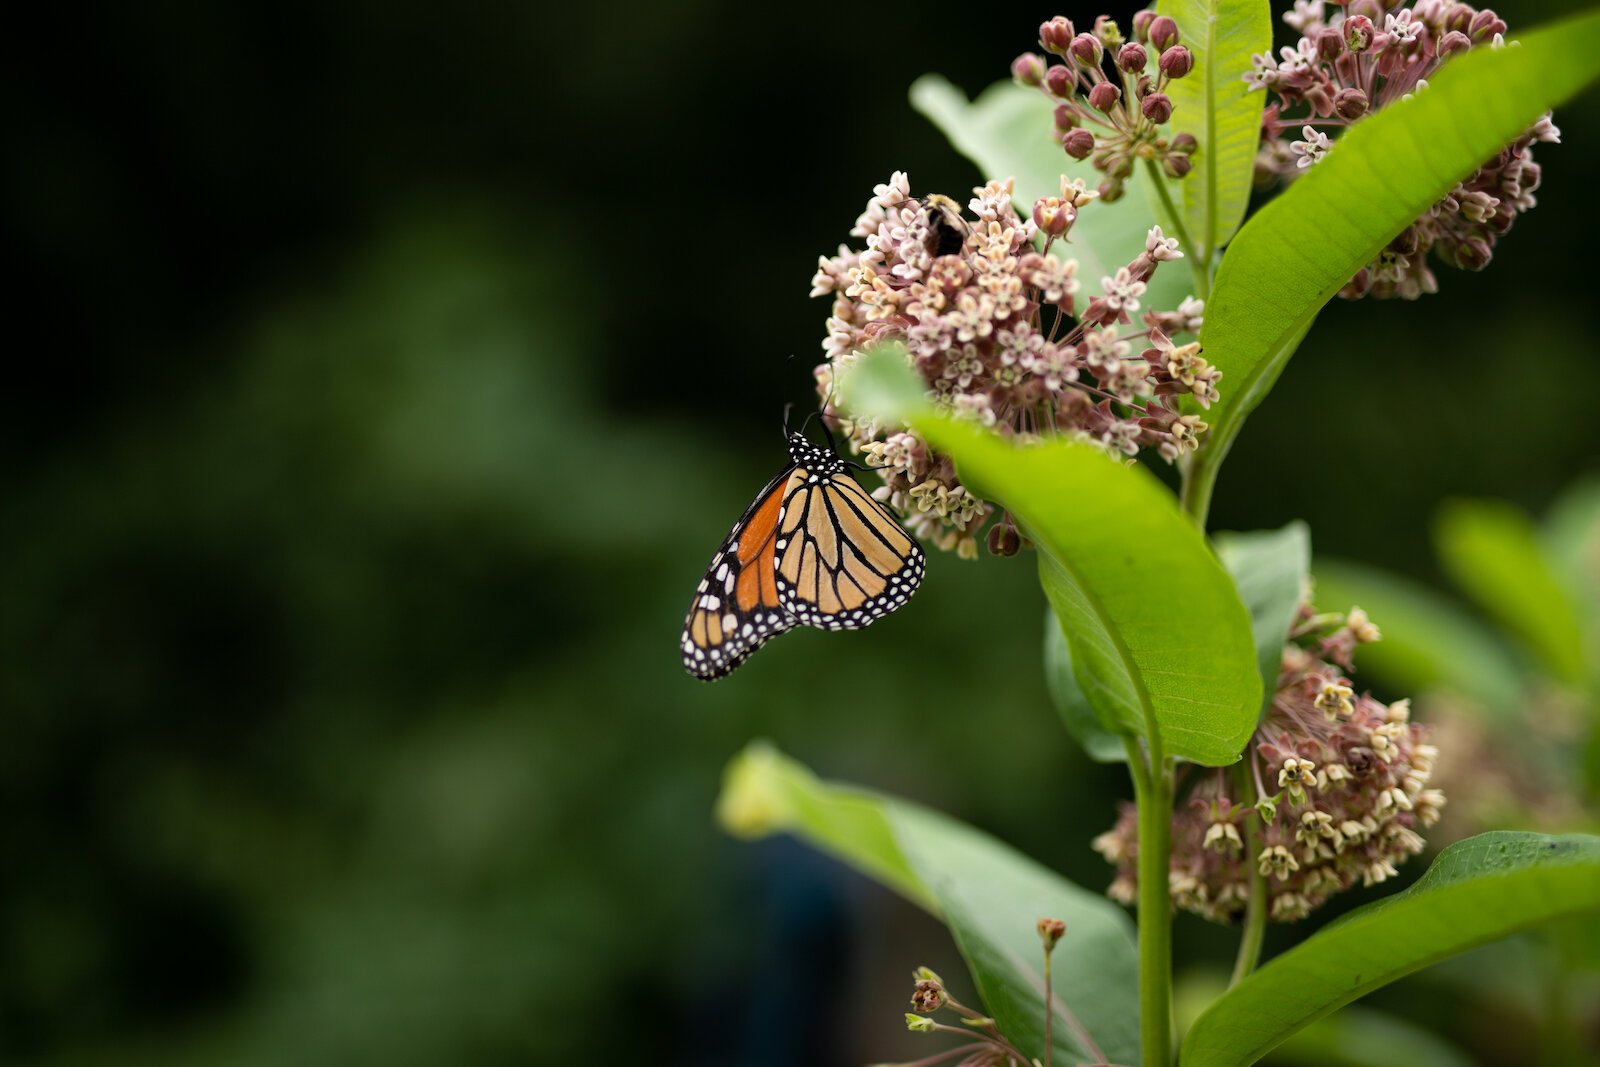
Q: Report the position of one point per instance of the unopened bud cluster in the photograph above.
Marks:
(990, 315)
(1113, 120)
(1337, 788)
(985, 1045)
(1364, 57)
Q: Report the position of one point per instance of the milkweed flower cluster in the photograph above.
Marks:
(993, 322)
(1336, 786)
(1363, 58)
(1127, 108)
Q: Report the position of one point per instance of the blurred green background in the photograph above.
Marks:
(388, 373)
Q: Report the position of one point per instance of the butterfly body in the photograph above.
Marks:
(813, 549)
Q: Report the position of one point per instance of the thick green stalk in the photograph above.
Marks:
(1199, 479)
(1152, 791)
(1255, 913)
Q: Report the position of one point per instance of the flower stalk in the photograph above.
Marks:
(1152, 790)
(1255, 911)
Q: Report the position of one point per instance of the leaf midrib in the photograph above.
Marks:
(1209, 225)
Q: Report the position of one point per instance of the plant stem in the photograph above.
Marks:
(1255, 912)
(1199, 479)
(1152, 791)
(1049, 1011)
(1199, 260)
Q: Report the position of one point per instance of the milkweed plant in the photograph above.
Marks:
(1167, 206)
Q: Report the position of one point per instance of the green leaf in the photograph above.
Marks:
(1300, 249)
(1428, 640)
(1571, 538)
(1476, 891)
(1008, 131)
(1269, 568)
(1098, 738)
(1216, 105)
(1159, 641)
(1361, 1037)
(1491, 550)
(989, 895)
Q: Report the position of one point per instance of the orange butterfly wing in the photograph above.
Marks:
(735, 609)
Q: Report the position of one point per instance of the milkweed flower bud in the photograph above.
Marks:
(1050, 932)
(1157, 107)
(1056, 35)
(1175, 164)
(1350, 104)
(1066, 117)
(1028, 69)
(1176, 62)
(1185, 143)
(1004, 540)
(1078, 143)
(1104, 97)
(1163, 33)
(1061, 82)
(1087, 50)
(1132, 58)
(1485, 26)
(1353, 793)
(1141, 24)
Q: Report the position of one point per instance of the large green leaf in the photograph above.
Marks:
(989, 895)
(1100, 739)
(1571, 539)
(1008, 131)
(1360, 1037)
(1477, 890)
(1298, 250)
(1159, 641)
(1428, 640)
(1491, 550)
(1216, 105)
(1269, 568)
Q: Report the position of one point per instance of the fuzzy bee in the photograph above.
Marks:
(947, 230)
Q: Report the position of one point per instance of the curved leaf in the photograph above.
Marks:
(1269, 568)
(1491, 550)
(1160, 643)
(989, 895)
(1099, 740)
(1428, 640)
(1477, 890)
(1008, 131)
(1301, 248)
(1360, 1037)
(1571, 537)
(1216, 105)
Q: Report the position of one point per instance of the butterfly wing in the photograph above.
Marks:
(843, 560)
(736, 608)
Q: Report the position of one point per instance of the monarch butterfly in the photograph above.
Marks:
(812, 549)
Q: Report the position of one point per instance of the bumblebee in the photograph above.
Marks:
(947, 231)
